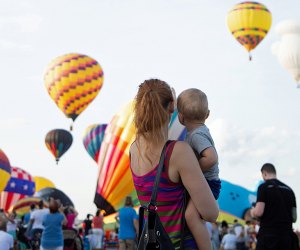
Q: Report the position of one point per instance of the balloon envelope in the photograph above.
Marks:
(20, 185)
(249, 23)
(73, 81)
(92, 139)
(22, 206)
(5, 170)
(58, 141)
(235, 200)
(115, 179)
(46, 193)
(288, 49)
(42, 182)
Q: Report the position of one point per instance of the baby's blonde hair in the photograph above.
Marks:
(193, 105)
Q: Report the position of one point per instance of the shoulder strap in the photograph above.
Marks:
(141, 221)
(157, 177)
(154, 191)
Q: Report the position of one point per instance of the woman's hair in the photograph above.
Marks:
(193, 104)
(53, 206)
(152, 108)
(128, 201)
(98, 212)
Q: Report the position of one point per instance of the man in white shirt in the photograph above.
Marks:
(6, 240)
(229, 241)
(37, 217)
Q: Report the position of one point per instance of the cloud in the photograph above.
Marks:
(22, 23)
(28, 23)
(12, 123)
(7, 44)
(242, 151)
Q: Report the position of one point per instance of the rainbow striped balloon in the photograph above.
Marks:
(92, 139)
(5, 170)
(73, 81)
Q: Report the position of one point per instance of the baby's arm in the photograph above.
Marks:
(208, 158)
(197, 227)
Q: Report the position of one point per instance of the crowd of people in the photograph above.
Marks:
(188, 188)
(51, 228)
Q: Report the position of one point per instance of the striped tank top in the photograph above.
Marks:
(169, 200)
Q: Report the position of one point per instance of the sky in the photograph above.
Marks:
(254, 106)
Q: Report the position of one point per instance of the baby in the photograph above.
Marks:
(193, 110)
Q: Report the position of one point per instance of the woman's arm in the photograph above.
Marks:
(186, 164)
(74, 211)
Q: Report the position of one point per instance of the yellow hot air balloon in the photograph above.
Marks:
(41, 182)
(73, 81)
(249, 23)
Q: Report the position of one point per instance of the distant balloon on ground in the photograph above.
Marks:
(5, 170)
(288, 49)
(55, 193)
(22, 206)
(249, 23)
(115, 179)
(19, 186)
(235, 200)
(58, 141)
(42, 182)
(92, 139)
(73, 81)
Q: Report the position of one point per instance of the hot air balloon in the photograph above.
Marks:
(5, 170)
(234, 201)
(58, 141)
(73, 81)
(176, 130)
(22, 206)
(55, 193)
(288, 49)
(42, 182)
(20, 185)
(249, 23)
(115, 180)
(92, 139)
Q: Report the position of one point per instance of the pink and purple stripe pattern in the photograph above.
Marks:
(169, 200)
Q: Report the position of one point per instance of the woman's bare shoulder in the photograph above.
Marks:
(181, 147)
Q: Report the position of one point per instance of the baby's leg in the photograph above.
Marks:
(197, 227)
